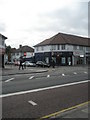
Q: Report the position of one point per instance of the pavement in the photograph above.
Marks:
(80, 111)
(11, 69)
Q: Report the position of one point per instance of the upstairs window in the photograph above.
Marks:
(80, 47)
(42, 48)
(53, 47)
(58, 47)
(63, 47)
(2, 42)
(75, 47)
(36, 48)
(17, 54)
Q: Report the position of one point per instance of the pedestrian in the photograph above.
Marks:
(53, 63)
(21, 65)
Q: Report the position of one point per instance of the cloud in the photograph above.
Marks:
(73, 19)
(2, 27)
(32, 21)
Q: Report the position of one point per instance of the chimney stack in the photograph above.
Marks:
(20, 46)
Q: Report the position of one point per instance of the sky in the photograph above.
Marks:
(28, 22)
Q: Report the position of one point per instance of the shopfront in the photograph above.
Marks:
(79, 57)
(62, 58)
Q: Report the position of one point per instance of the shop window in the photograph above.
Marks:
(63, 60)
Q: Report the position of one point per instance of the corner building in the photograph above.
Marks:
(65, 49)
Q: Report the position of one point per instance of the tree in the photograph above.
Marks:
(8, 52)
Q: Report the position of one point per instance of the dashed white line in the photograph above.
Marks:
(31, 77)
(74, 73)
(63, 74)
(41, 89)
(48, 76)
(9, 79)
(31, 102)
(85, 72)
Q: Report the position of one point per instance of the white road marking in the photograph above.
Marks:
(9, 79)
(41, 89)
(74, 73)
(85, 72)
(31, 102)
(31, 77)
(63, 74)
(48, 76)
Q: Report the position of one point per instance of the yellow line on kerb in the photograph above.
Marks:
(64, 110)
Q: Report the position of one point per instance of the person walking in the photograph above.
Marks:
(53, 63)
(21, 65)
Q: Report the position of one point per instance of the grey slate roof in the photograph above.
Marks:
(62, 38)
(23, 49)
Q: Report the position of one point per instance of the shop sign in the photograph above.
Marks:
(78, 53)
(81, 55)
(25, 54)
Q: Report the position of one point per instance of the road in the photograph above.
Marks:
(37, 98)
(16, 83)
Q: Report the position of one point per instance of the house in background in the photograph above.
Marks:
(2, 50)
(65, 49)
(23, 51)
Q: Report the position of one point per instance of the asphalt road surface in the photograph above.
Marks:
(39, 95)
(16, 83)
(45, 102)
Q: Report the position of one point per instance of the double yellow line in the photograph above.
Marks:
(64, 110)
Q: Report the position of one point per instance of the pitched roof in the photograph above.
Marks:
(62, 38)
(3, 36)
(13, 50)
(23, 49)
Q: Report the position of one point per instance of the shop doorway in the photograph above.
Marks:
(69, 60)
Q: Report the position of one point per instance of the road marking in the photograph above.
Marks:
(64, 110)
(85, 72)
(48, 76)
(74, 73)
(41, 89)
(31, 102)
(63, 74)
(31, 77)
(9, 79)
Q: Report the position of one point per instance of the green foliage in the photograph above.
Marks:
(8, 52)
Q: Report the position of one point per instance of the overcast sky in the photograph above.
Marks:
(29, 22)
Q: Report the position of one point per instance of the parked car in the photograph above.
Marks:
(28, 64)
(42, 64)
(9, 63)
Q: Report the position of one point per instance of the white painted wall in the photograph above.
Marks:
(54, 48)
(2, 42)
(18, 55)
